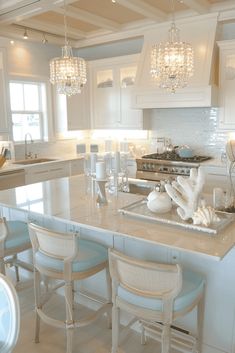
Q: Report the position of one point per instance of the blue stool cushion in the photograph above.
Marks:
(192, 286)
(90, 254)
(18, 234)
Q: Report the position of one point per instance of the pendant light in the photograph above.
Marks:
(68, 73)
(172, 62)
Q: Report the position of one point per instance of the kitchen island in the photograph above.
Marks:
(66, 205)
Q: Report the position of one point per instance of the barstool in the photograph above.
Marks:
(65, 257)
(14, 238)
(157, 294)
(9, 315)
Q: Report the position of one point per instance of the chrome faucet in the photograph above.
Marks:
(26, 153)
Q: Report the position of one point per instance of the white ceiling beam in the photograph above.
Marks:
(227, 16)
(225, 10)
(85, 16)
(51, 28)
(11, 5)
(17, 14)
(144, 9)
(200, 6)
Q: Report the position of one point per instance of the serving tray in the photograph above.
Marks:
(140, 210)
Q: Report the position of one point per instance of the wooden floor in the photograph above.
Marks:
(95, 338)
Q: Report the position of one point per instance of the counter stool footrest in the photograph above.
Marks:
(181, 339)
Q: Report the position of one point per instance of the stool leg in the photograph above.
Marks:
(115, 328)
(200, 317)
(16, 268)
(109, 294)
(69, 315)
(142, 334)
(37, 294)
(166, 338)
(2, 266)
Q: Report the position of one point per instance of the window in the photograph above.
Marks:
(27, 101)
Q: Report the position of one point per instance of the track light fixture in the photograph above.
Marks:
(44, 39)
(25, 36)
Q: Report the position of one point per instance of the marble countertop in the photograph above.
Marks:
(67, 199)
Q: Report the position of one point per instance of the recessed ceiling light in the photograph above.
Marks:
(113, 1)
(12, 42)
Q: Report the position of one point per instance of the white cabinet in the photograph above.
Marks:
(3, 92)
(77, 167)
(47, 171)
(78, 109)
(112, 85)
(53, 170)
(227, 84)
(71, 113)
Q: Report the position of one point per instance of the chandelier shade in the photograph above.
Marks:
(68, 73)
(172, 62)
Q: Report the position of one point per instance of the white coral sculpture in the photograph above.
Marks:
(185, 192)
(205, 215)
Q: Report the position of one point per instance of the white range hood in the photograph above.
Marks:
(200, 32)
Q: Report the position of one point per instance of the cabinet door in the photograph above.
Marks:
(59, 170)
(78, 110)
(77, 167)
(3, 91)
(35, 174)
(227, 85)
(106, 111)
(130, 118)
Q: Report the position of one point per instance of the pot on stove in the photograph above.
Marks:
(185, 152)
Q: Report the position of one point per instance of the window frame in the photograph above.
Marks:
(45, 106)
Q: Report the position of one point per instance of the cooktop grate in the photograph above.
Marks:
(172, 156)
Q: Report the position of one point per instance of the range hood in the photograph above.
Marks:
(200, 32)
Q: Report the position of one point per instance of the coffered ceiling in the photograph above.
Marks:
(96, 21)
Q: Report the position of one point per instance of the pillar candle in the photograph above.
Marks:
(100, 171)
(117, 162)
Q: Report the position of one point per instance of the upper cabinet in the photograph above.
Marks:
(227, 84)
(3, 92)
(71, 113)
(78, 109)
(112, 82)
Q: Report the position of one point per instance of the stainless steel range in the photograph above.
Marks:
(167, 165)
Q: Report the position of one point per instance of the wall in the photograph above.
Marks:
(196, 127)
(29, 59)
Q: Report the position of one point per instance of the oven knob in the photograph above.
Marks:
(144, 166)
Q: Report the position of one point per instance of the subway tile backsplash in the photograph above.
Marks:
(196, 127)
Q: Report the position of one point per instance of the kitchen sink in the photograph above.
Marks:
(34, 161)
(140, 187)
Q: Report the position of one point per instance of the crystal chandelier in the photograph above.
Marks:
(68, 73)
(172, 62)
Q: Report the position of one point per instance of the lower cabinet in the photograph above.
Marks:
(76, 167)
(48, 171)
